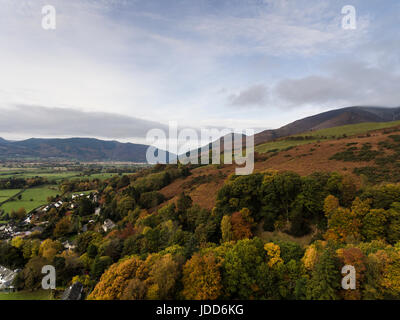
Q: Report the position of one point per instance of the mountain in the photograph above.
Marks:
(83, 149)
(330, 119)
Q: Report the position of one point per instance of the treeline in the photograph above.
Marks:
(20, 183)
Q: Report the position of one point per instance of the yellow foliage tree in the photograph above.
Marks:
(273, 253)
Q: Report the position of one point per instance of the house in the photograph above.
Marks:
(7, 277)
(108, 225)
(69, 246)
(73, 292)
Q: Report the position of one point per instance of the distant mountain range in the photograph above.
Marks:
(82, 149)
(88, 149)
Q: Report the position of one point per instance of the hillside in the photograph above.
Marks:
(83, 149)
(366, 151)
(330, 119)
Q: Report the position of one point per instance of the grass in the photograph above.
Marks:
(280, 236)
(8, 193)
(54, 176)
(101, 176)
(38, 195)
(324, 134)
(26, 295)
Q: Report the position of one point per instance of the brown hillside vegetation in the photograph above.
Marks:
(204, 183)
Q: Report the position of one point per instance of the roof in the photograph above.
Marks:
(6, 277)
(74, 292)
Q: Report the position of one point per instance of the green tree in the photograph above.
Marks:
(240, 268)
(325, 278)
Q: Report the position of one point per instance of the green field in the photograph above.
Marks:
(55, 176)
(31, 198)
(8, 193)
(26, 295)
(325, 134)
(102, 176)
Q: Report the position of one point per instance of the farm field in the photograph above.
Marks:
(7, 193)
(102, 176)
(55, 176)
(31, 198)
(324, 134)
(26, 295)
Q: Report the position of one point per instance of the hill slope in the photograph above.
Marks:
(369, 152)
(329, 119)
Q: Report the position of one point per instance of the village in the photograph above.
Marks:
(34, 224)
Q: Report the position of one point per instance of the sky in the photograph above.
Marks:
(114, 69)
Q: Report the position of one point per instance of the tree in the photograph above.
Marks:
(344, 224)
(354, 257)
(115, 280)
(63, 227)
(151, 199)
(242, 223)
(374, 224)
(274, 254)
(163, 276)
(86, 207)
(99, 265)
(49, 249)
(201, 278)
(393, 232)
(240, 268)
(10, 256)
(325, 278)
(17, 242)
(92, 251)
(226, 229)
(280, 192)
(18, 215)
(83, 241)
(32, 273)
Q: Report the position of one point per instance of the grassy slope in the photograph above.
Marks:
(325, 134)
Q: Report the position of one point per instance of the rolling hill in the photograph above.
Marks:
(330, 119)
(83, 149)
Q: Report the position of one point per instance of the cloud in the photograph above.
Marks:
(25, 120)
(256, 95)
(281, 28)
(346, 83)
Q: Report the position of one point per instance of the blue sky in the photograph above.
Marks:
(114, 69)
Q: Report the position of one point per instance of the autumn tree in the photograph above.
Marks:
(63, 227)
(226, 229)
(201, 278)
(163, 275)
(242, 223)
(49, 249)
(354, 257)
(115, 280)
